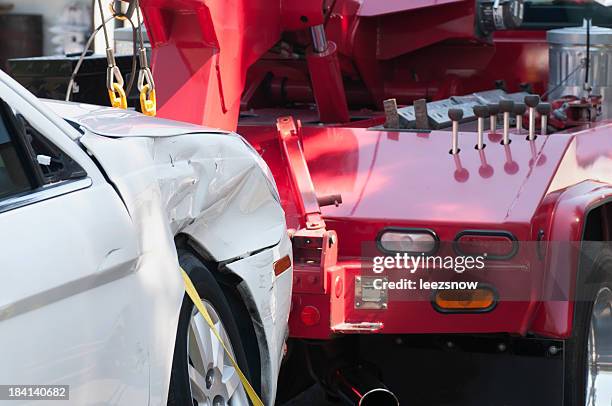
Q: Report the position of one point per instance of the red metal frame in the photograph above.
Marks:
(304, 193)
(207, 55)
(202, 50)
(364, 166)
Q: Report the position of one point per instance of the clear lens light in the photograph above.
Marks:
(397, 241)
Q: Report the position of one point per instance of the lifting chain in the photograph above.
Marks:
(114, 80)
(146, 85)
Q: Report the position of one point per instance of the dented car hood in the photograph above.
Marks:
(112, 122)
(209, 184)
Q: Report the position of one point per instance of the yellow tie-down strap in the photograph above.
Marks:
(197, 301)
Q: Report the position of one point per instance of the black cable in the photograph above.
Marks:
(134, 59)
(104, 25)
(562, 82)
(140, 22)
(587, 62)
(88, 45)
(124, 16)
(127, 16)
(82, 57)
(588, 53)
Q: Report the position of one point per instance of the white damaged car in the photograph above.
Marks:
(97, 210)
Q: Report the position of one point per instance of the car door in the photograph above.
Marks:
(70, 309)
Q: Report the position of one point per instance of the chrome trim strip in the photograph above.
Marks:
(46, 297)
(44, 193)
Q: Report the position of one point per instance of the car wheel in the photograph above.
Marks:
(202, 373)
(588, 357)
(599, 351)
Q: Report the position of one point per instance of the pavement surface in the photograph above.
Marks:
(433, 377)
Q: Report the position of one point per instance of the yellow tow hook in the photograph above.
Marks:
(114, 82)
(117, 97)
(146, 85)
(148, 103)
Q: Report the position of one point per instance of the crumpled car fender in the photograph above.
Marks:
(208, 186)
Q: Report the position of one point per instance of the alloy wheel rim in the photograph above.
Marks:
(599, 351)
(213, 380)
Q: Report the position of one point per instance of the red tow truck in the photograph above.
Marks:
(425, 127)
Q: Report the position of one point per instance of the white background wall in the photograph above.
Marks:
(50, 9)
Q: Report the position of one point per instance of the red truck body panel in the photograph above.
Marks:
(407, 179)
(211, 59)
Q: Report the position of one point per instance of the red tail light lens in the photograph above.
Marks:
(493, 244)
(310, 316)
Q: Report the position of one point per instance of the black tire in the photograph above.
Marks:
(595, 275)
(209, 289)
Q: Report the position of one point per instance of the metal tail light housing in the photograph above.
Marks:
(392, 240)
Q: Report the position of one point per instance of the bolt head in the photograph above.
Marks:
(544, 108)
(506, 106)
(532, 100)
(210, 378)
(520, 109)
(481, 111)
(455, 114)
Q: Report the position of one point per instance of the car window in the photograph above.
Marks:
(53, 163)
(13, 176)
(28, 160)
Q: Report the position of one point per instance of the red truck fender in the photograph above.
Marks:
(566, 229)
